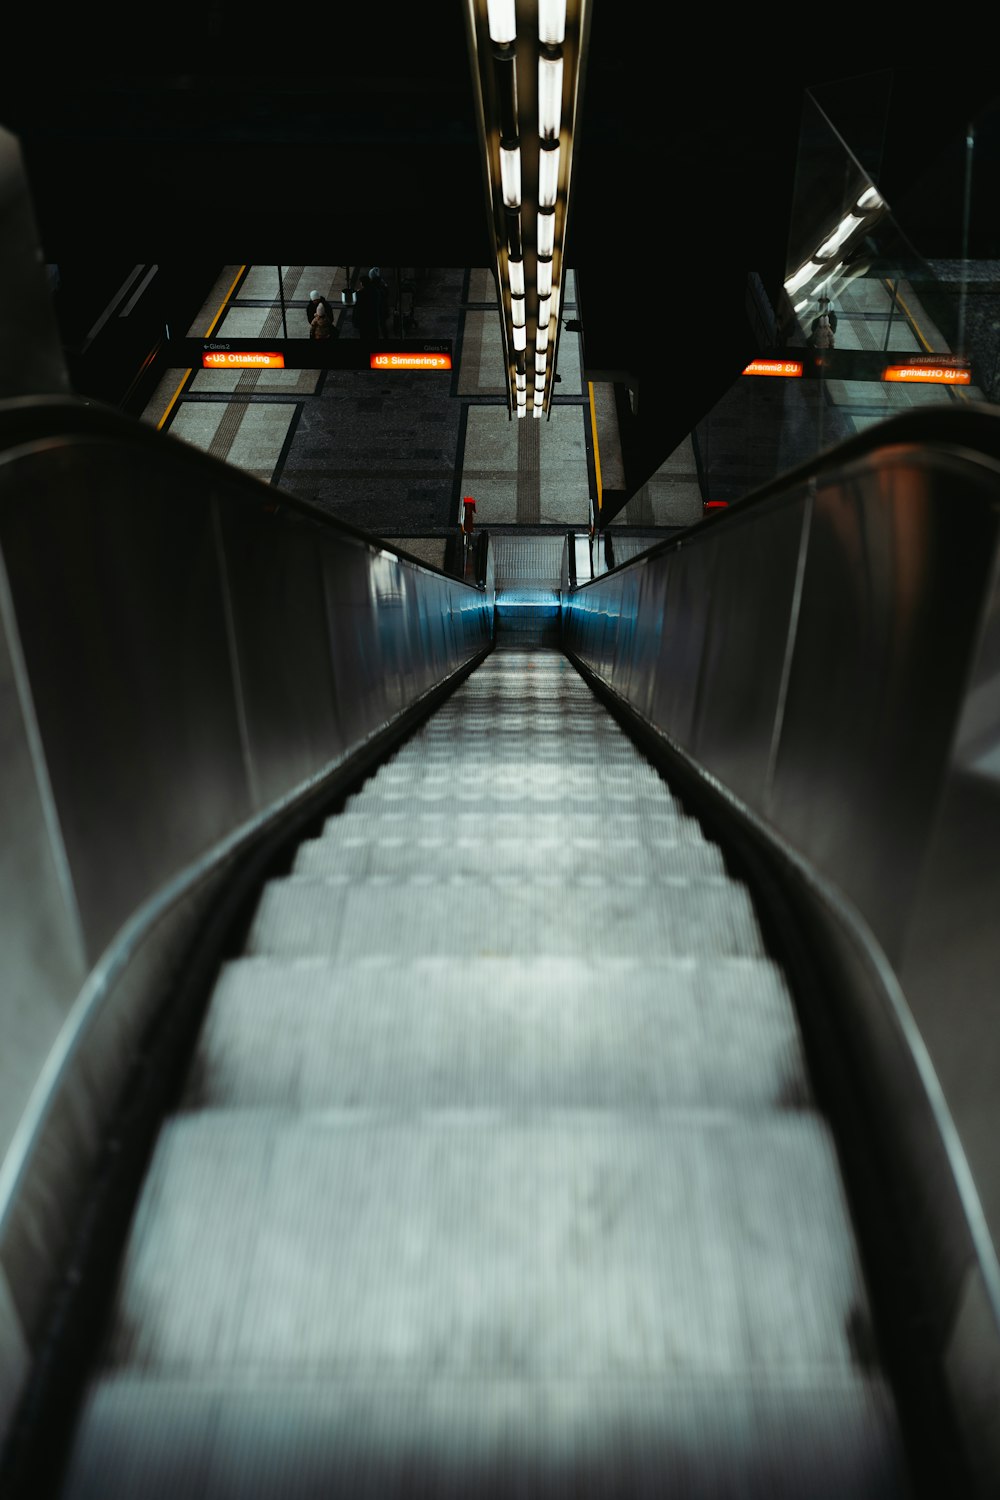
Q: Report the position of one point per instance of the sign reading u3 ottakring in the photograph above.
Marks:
(921, 374)
(246, 359)
(788, 368)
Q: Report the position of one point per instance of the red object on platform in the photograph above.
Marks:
(470, 506)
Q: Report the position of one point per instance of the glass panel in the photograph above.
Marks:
(866, 325)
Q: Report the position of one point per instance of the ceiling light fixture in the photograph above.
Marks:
(526, 57)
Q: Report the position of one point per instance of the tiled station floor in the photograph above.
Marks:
(391, 452)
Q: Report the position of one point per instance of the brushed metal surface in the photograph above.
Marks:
(742, 674)
(122, 626)
(886, 671)
(890, 611)
(180, 663)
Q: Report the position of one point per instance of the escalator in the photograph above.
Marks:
(458, 1068)
(498, 1168)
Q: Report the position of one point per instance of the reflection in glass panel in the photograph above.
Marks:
(931, 311)
(875, 327)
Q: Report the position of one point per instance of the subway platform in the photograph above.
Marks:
(394, 453)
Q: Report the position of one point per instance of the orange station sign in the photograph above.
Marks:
(403, 361)
(233, 359)
(269, 352)
(788, 369)
(928, 374)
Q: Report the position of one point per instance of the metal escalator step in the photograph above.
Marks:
(506, 743)
(573, 858)
(566, 1439)
(551, 704)
(470, 716)
(554, 753)
(501, 1033)
(584, 717)
(465, 820)
(613, 797)
(509, 745)
(302, 915)
(486, 1245)
(423, 778)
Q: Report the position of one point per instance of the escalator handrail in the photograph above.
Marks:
(973, 428)
(32, 419)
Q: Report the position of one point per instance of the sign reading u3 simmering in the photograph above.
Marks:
(402, 361)
(789, 369)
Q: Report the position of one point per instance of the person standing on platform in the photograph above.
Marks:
(316, 304)
(468, 527)
(384, 300)
(824, 326)
(366, 311)
(323, 326)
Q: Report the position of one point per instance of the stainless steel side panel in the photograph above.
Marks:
(178, 661)
(116, 585)
(744, 663)
(897, 565)
(831, 656)
(812, 654)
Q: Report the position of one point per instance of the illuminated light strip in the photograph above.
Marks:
(928, 374)
(246, 360)
(410, 361)
(789, 368)
(211, 329)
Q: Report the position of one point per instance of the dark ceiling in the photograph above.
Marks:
(275, 140)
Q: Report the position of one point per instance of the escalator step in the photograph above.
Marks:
(490, 1270)
(574, 859)
(365, 1439)
(408, 917)
(555, 1244)
(446, 1033)
(463, 819)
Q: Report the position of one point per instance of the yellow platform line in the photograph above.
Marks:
(597, 450)
(208, 334)
(954, 391)
(913, 322)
